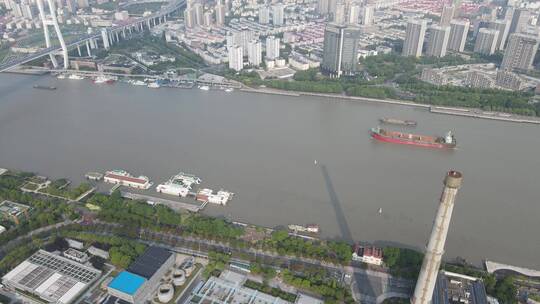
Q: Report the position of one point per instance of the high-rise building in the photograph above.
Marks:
(447, 14)
(457, 8)
(264, 15)
(458, 35)
(340, 54)
(332, 4)
(272, 47)
(438, 41)
(339, 15)
(236, 58)
(414, 38)
(423, 292)
(199, 15)
(366, 14)
(486, 41)
(220, 13)
(82, 3)
(189, 18)
(208, 19)
(520, 18)
(71, 6)
(240, 38)
(254, 53)
(278, 12)
(520, 52)
(503, 26)
(509, 13)
(322, 7)
(353, 14)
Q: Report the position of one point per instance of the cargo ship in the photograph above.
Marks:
(41, 87)
(394, 121)
(446, 142)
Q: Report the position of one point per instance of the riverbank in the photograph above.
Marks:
(464, 112)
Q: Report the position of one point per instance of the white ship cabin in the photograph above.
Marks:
(125, 179)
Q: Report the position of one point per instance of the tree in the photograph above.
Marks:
(506, 291)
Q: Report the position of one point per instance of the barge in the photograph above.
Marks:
(395, 121)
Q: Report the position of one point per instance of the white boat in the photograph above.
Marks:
(103, 79)
(380, 210)
(311, 228)
(75, 77)
(153, 85)
(61, 76)
(315, 162)
(204, 88)
(138, 83)
(228, 90)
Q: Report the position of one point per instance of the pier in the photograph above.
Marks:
(175, 205)
(475, 113)
(492, 267)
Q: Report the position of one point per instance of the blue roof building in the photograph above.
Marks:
(127, 282)
(141, 280)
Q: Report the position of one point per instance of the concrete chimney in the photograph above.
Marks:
(423, 292)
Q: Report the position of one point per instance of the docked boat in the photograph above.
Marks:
(204, 88)
(123, 178)
(138, 83)
(220, 197)
(394, 121)
(228, 90)
(154, 85)
(41, 87)
(61, 76)
(439, 142)
(103, 79)
(311, 228)
(75, 77)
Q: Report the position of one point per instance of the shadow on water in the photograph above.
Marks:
(336, 204)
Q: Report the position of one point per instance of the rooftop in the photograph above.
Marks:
(127, 282)
(149, 262)
(457, 288)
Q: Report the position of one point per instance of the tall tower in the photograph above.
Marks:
(423, 292)
(52, 21)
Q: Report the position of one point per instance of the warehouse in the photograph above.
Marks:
(51, 277)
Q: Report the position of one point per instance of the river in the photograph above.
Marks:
(264, 147)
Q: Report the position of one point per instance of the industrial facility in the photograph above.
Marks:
(141, 280)
(50, 277)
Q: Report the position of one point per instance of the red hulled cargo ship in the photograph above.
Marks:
(446, 142)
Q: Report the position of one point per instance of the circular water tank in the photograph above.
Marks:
(165, 293)
(179, 277)
(189, 269)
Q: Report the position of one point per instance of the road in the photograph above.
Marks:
(368, 286)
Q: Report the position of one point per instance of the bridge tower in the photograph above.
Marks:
(52, 20)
